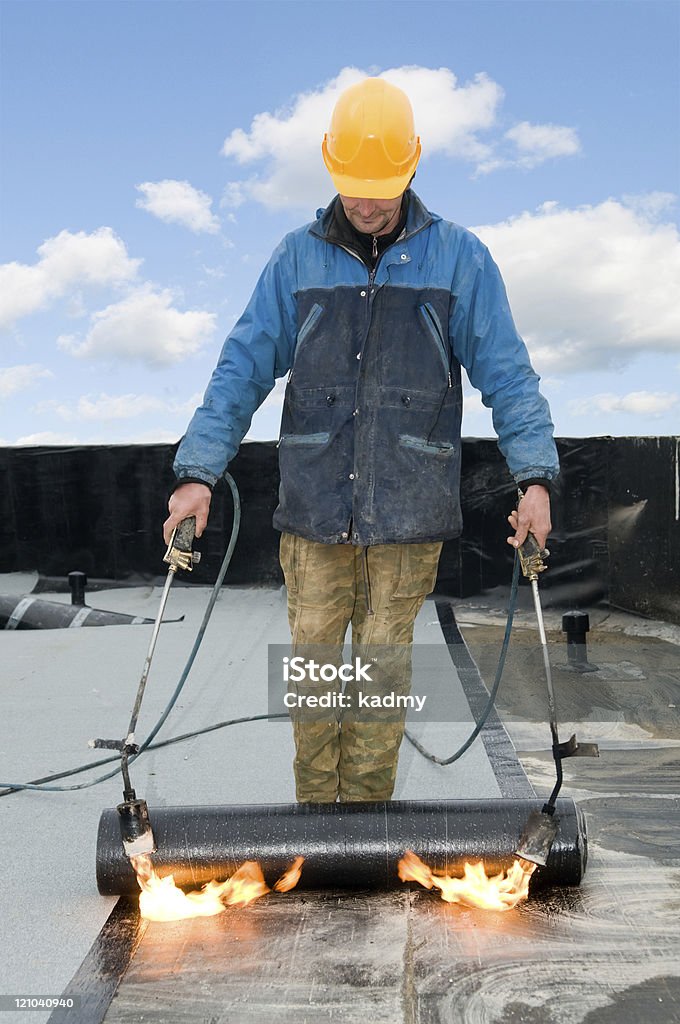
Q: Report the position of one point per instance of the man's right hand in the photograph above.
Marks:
(188, 500)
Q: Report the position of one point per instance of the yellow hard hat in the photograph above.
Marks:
(371, 149)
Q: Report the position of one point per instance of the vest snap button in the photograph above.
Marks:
(406, 399)
(330, 399)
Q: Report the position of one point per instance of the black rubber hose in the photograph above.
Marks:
(12, 786)
(512, 604)
(37, 783)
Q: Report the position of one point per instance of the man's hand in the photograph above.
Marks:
(188, 500)
(532, 515)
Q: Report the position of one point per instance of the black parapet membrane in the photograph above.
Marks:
(100, 509)
(345, 846)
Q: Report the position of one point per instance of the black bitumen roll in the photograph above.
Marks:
(34, 613)
(345, 846)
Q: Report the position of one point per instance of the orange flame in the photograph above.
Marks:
(475, 889)
(290, 878)
(244, 886)
(161, 900)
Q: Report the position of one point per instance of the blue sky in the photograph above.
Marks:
(155, 152)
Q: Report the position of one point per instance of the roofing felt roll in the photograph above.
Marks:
(34, 613)
(345, 846)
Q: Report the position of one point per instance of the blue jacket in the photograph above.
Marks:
(370, 435)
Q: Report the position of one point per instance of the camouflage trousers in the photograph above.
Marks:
(329, 586)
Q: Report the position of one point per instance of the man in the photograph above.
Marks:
(373, 308)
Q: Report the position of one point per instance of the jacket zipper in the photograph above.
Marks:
(371, 282)
(405, 237)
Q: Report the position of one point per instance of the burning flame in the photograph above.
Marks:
(161, 900)
(290, 878)
(475, 888)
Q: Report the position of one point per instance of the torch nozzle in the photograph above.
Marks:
(135, 826)
(539, 835)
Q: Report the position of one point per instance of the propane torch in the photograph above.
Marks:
(135, 826)
(542, 826)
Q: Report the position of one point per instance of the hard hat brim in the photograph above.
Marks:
(369, 188)
(358, 188)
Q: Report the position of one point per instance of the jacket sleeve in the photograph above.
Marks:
(485, 341)
(257, 351)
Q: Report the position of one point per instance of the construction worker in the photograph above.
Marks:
(372, 309)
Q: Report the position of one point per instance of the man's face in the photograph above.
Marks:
(372, 216)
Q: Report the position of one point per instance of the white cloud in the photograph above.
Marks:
(651, 204)
(539, 142)
(473, 405)
(233, 195)
(590, 287)
(143, 327)
(636, 403)
(266, 422)
(65, 262)
(178, 202)
(276, 396)
(449, 118)
(47, 437)
(21, 378)
(526, 146)
(152, 435)
(217, 273)
(118, 407)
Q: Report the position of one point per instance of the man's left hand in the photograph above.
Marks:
(532, 515)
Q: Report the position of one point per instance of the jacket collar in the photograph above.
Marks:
(418, 217)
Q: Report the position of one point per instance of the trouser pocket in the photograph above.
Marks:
(417, 569)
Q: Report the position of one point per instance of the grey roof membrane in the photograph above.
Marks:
(62, 687)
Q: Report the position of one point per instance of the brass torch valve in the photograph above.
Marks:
(180, 554)
(532, 558)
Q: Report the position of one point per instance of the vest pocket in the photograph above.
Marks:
(427, 447)
(308, 323)
(434, 327)
(304, 438)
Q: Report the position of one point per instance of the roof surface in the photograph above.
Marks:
(608, 948)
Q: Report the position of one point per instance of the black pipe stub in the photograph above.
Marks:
(576, 624)
(345, 846)
(77, 581)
